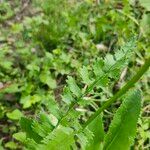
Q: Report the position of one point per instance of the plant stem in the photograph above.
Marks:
(89, 89)
(121, 92)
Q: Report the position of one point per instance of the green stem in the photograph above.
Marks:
(121, 92)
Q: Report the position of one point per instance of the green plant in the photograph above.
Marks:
(43, 42)
(5, 11)
(63, 129)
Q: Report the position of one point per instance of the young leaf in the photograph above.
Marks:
(67, 96)
(123, 127)
(85, 75)
(74, 87)
(112, 65)
(98, 66)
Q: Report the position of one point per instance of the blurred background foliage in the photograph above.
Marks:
(41, 42)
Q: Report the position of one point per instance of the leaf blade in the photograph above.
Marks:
(123, 127)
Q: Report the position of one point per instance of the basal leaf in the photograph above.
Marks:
(123, 127)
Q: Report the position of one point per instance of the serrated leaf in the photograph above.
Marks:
(26, 125)
(59, 139)
(73, 87)
(67, 96)
(39, 129)
(109, 60)
(52, 106)
(43, 126)
(85, 75)
(123, 127)
(112, 65)
(96, 127)
(43, 117)
(98, 66)
(83, 140)
(103, 82)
